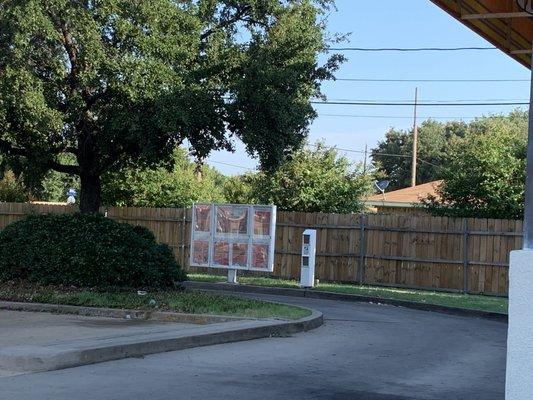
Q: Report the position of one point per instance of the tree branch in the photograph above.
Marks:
(239, 13)
(73, 57)
(64, 149)
(8, 148)
(68, 43)
(67, 169)
(72, 150)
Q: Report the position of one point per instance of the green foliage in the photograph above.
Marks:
(54, 186)
(12, 189)
(159, 187)
(42, 185)
(393, 156)
(86, 250)
(316, 180)
(118, 83)
(484, 174)
(243, 189)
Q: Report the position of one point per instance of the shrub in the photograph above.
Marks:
(86, 250)
(12, 189)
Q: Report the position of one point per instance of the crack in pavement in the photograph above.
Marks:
(359, 320)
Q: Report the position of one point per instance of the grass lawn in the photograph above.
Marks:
(473, 302)
(182, 301)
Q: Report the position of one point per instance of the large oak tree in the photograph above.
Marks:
(116, 83)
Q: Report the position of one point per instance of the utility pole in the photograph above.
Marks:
(364, 162)
(198, 169)
(415, 143)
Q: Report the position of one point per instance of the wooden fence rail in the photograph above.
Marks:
(453, 254)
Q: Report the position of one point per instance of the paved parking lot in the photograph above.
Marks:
(35, 328)
(364, 351)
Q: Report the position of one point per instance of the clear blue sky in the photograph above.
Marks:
(392, 23)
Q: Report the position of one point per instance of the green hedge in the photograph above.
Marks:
(86, 250)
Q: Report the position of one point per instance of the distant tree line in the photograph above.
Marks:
(481, 162)
(308, 180)
(393, 155)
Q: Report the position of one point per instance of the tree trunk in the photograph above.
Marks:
(91, 185)
(91, 190)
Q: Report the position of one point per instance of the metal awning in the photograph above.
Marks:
(502, 22)
(507, 25)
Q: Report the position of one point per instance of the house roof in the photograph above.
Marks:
(502, 22)
(405, 197)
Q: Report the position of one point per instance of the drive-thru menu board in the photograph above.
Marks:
(233, 236)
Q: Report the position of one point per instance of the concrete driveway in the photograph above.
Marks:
(364, 351)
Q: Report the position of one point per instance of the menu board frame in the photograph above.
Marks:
(233, 237)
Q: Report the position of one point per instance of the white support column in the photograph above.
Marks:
(519, 381)
(528, 210)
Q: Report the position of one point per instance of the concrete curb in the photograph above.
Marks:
(32, 358)
(316, 294)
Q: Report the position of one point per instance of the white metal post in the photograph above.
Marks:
(232, 276)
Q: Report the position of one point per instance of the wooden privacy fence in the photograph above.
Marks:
(453, 254)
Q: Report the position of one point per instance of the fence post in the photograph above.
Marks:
(182, 244)
(362, 251)
(465, 255)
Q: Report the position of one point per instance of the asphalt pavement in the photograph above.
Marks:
(363, 351)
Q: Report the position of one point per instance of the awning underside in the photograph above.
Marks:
(501, 22)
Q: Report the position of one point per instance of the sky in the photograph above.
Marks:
(406, 24)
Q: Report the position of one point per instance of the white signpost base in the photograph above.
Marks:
(232, 276)
(519, 384)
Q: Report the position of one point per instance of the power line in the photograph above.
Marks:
(393, 116)
(427, 100)
(429, 163)
(365, 103)
(408, 49)
(230, 165)
(337, 148)
(361, 151)
(407, 156)
(428, 80)
(380, 154)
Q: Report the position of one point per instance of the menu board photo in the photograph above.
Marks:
(233, 236)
